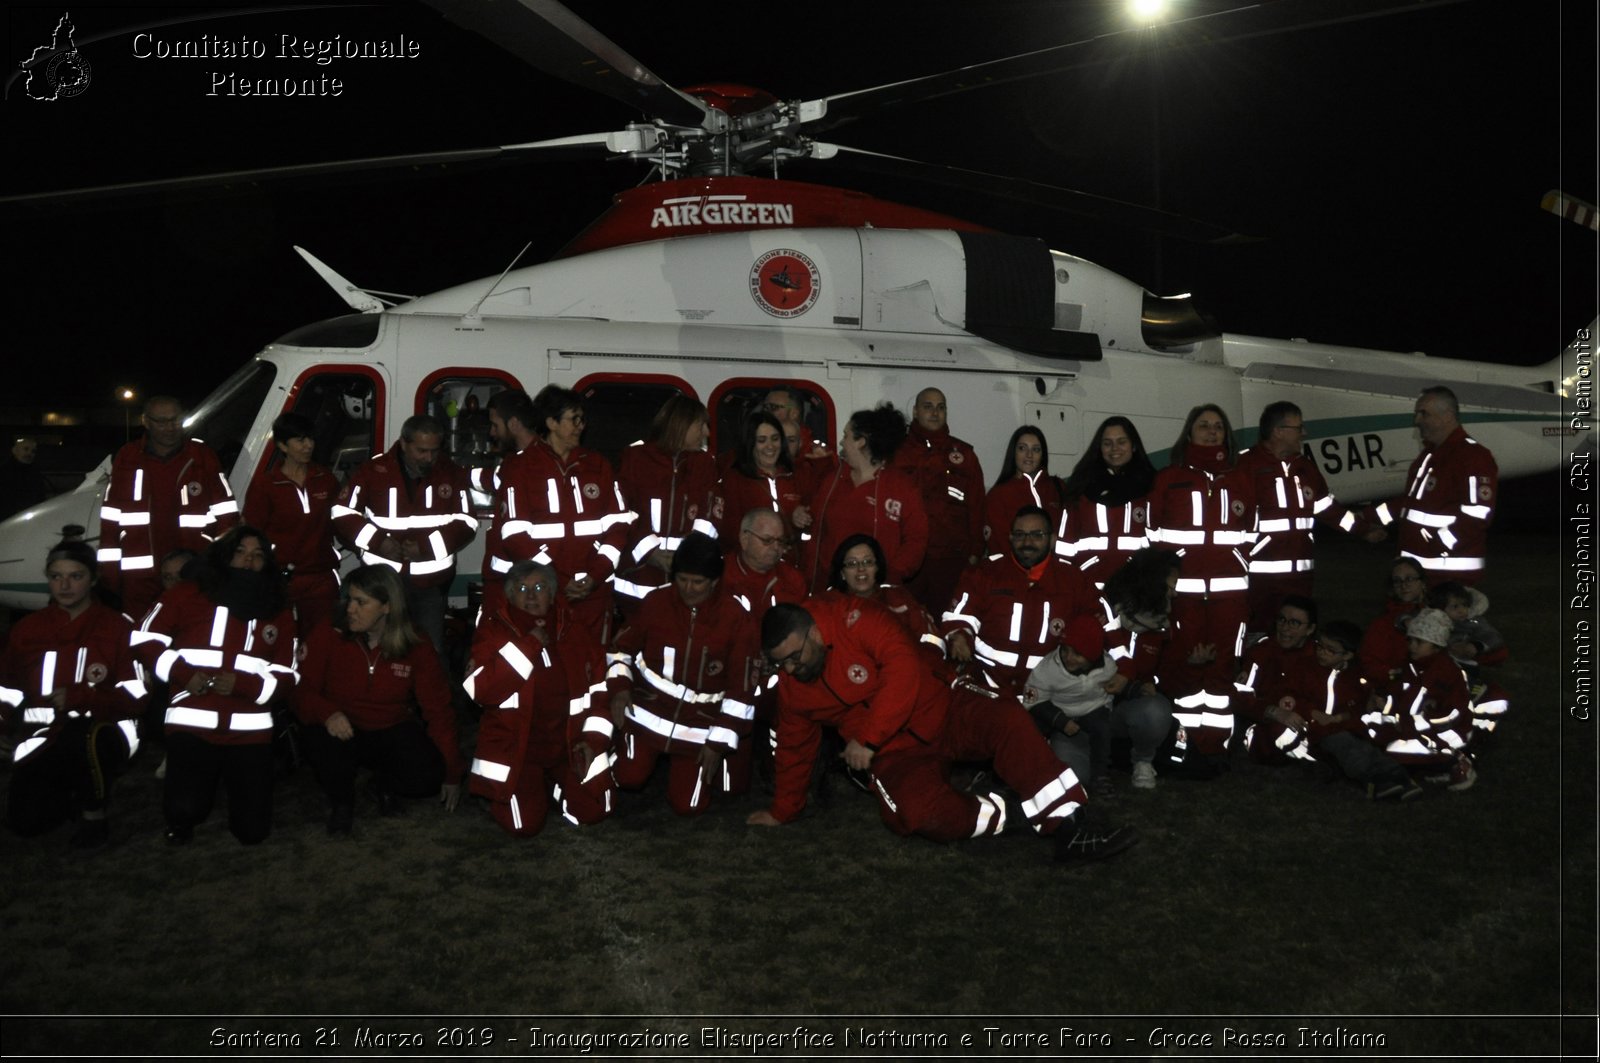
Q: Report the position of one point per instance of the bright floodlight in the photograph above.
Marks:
(1147, 10)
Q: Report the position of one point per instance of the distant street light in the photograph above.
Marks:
(126, 396)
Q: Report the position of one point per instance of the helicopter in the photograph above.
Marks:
(720, 278)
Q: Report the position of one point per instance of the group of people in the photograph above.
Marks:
(715, 612)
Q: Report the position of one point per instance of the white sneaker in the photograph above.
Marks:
(1144, 776)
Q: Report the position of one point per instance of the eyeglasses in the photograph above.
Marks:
(1333, 649)
(861, 562)
(1406, 579)
(782, 663)
(162, 420)
(774, 407)
(1029, 536)
(533, 588)
(1289, 621)
(768, 540)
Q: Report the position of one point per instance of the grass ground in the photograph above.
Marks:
(1253, 899)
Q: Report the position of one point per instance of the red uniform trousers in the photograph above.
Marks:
(689, 785)
(543, 779)
(1206, 711)
(913, 784)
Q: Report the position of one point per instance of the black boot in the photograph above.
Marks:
(1077, 844)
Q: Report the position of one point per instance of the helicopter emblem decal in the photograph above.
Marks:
(785, 283)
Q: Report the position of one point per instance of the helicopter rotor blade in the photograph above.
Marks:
(1213, 27)
(1084, 204)
(550, 37)
(584, 144)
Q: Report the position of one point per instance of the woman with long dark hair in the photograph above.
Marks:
(763, 476)
(362, 682)
(224, 643)
(1024, 480)
(1106, 501)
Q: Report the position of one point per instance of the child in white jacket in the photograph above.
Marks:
(1069, 695)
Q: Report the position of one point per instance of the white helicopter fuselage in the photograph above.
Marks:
(862, 316)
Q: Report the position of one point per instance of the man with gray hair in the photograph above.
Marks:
(410, 509)
(1450, 495)
(756, 573)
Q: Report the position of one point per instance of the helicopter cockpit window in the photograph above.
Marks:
(342, 406)
(789, 401)
(619, 411)
(224, 418)
(461, 404)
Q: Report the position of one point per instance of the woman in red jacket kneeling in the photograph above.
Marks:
(361, 682)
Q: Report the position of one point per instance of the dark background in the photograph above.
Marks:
(1396, 164)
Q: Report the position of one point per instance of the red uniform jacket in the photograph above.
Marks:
(1000, 506)
(1014, 617)
(691, 671)
(1341, 692)
(1148, 655)
(88, 657)
(874, 687)
(567, 513)
(1099, 538)
(1445, 512)
(672, 495)
(1433, 705)
(759, 591)
(341, 673)
(434, 512)
(153, 506)
(1291, 496)
(1269, 672)
(298, 520)
(186, 632)
(1209, 519)
(738, 494)
(542, 695)
(887, 507)
(917, 622)
(1383, 647)
(946, 471)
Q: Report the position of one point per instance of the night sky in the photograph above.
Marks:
(1395, 164)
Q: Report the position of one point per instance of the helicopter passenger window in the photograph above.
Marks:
(619, 411)
(736, 400)
(461, 404)
(342, 406)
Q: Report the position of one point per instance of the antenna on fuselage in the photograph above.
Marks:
(471, 316)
